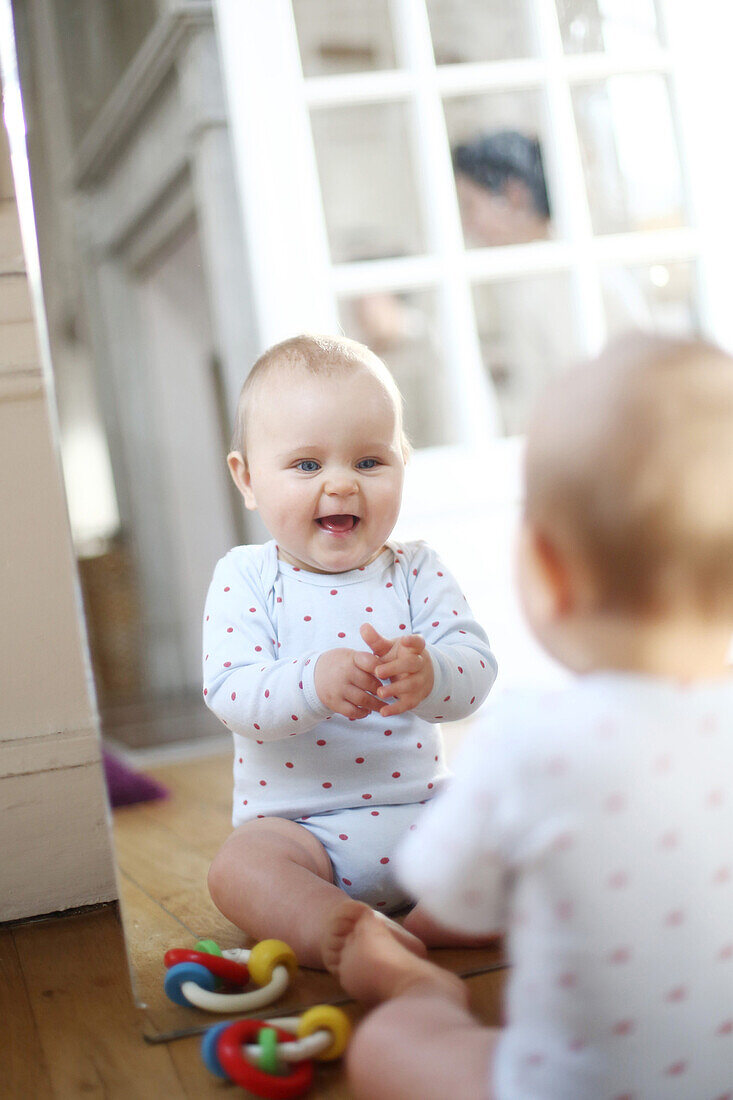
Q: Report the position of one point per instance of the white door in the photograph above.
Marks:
(346, 122)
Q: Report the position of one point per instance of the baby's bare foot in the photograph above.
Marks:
(374, 959)
(343, 923)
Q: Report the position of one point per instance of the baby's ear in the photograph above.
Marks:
(545, 578)
(241, 477)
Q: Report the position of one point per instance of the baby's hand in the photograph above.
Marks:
(345, 682)
(406, 664)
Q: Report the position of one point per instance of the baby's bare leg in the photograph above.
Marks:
(421, 1044)
(274, 880)
(421, 1040)
(433, 934)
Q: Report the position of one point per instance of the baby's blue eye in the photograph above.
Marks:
(366, 464)
(308, 466)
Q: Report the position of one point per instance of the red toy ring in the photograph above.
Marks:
(233, 1062)
(233, 973)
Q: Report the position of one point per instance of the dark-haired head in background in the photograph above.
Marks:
(501, 188)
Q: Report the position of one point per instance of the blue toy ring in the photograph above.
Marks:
(187, 972)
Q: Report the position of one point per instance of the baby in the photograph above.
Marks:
(594, 824)
(330, 652)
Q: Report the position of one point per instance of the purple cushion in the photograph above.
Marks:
(126, 786)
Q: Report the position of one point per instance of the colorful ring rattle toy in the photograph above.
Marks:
(273, 1059)
(196, 977)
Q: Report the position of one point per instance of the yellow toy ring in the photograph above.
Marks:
(265, 956)
(326, 1018)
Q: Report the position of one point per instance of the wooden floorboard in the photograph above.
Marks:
(164, 849)
(71, 1027)
(24, 1072)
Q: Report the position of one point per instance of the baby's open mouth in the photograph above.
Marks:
(338, 524)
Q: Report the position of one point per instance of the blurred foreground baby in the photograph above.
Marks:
(595, 824)
(332, 652)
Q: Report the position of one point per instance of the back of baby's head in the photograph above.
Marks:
(315, 354)
(629, 471)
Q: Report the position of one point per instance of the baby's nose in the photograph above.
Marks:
(341, 484)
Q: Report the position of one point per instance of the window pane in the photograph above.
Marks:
(526, 331)
(367, 181)
(338, 37)
(591, 26)
(491, 30)
(496, 141)
(663, 294)
(403, 330)
(629, 154)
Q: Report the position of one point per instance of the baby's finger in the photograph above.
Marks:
(404, 687)
(415, 642)
(352, 712)
(367, 662)
(362, 699)
(406, 664)
(400, 706)
(365, 681)
(378, 645)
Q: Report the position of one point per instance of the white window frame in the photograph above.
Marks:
(296, 286)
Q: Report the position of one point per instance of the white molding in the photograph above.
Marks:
(652, 246)
(475, 406)
(275, 168)
(348, 88)
(22, 385)
(701, 87)
(50, 751)
(57, 850)
(514, 260)
(155, 234)
(476, 77)
(582, 68)
(566, 182)
(148, 69)
(402, 273)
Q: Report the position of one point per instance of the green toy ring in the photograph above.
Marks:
(268, 1061)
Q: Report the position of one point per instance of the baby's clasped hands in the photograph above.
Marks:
(349, 682)
(407, 665)
(346, 684)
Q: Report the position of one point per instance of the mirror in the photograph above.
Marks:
(153, 314)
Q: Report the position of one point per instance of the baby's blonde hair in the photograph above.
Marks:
(629, 470)
(319, 355)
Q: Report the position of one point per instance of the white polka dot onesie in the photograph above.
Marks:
(595, 825)
(266, 623)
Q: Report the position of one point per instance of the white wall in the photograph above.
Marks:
(54, 829)
(195, 507)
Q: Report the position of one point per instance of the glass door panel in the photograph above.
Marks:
(629, 152)
(600, 26)
(496, 141)
(664, 294)
(527, 334)
(492, 30)
(335, 37)
(403, 330)
(366, 169)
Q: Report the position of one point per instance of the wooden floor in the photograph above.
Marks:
(70, 1025)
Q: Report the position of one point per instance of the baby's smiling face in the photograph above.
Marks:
(325, 466)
